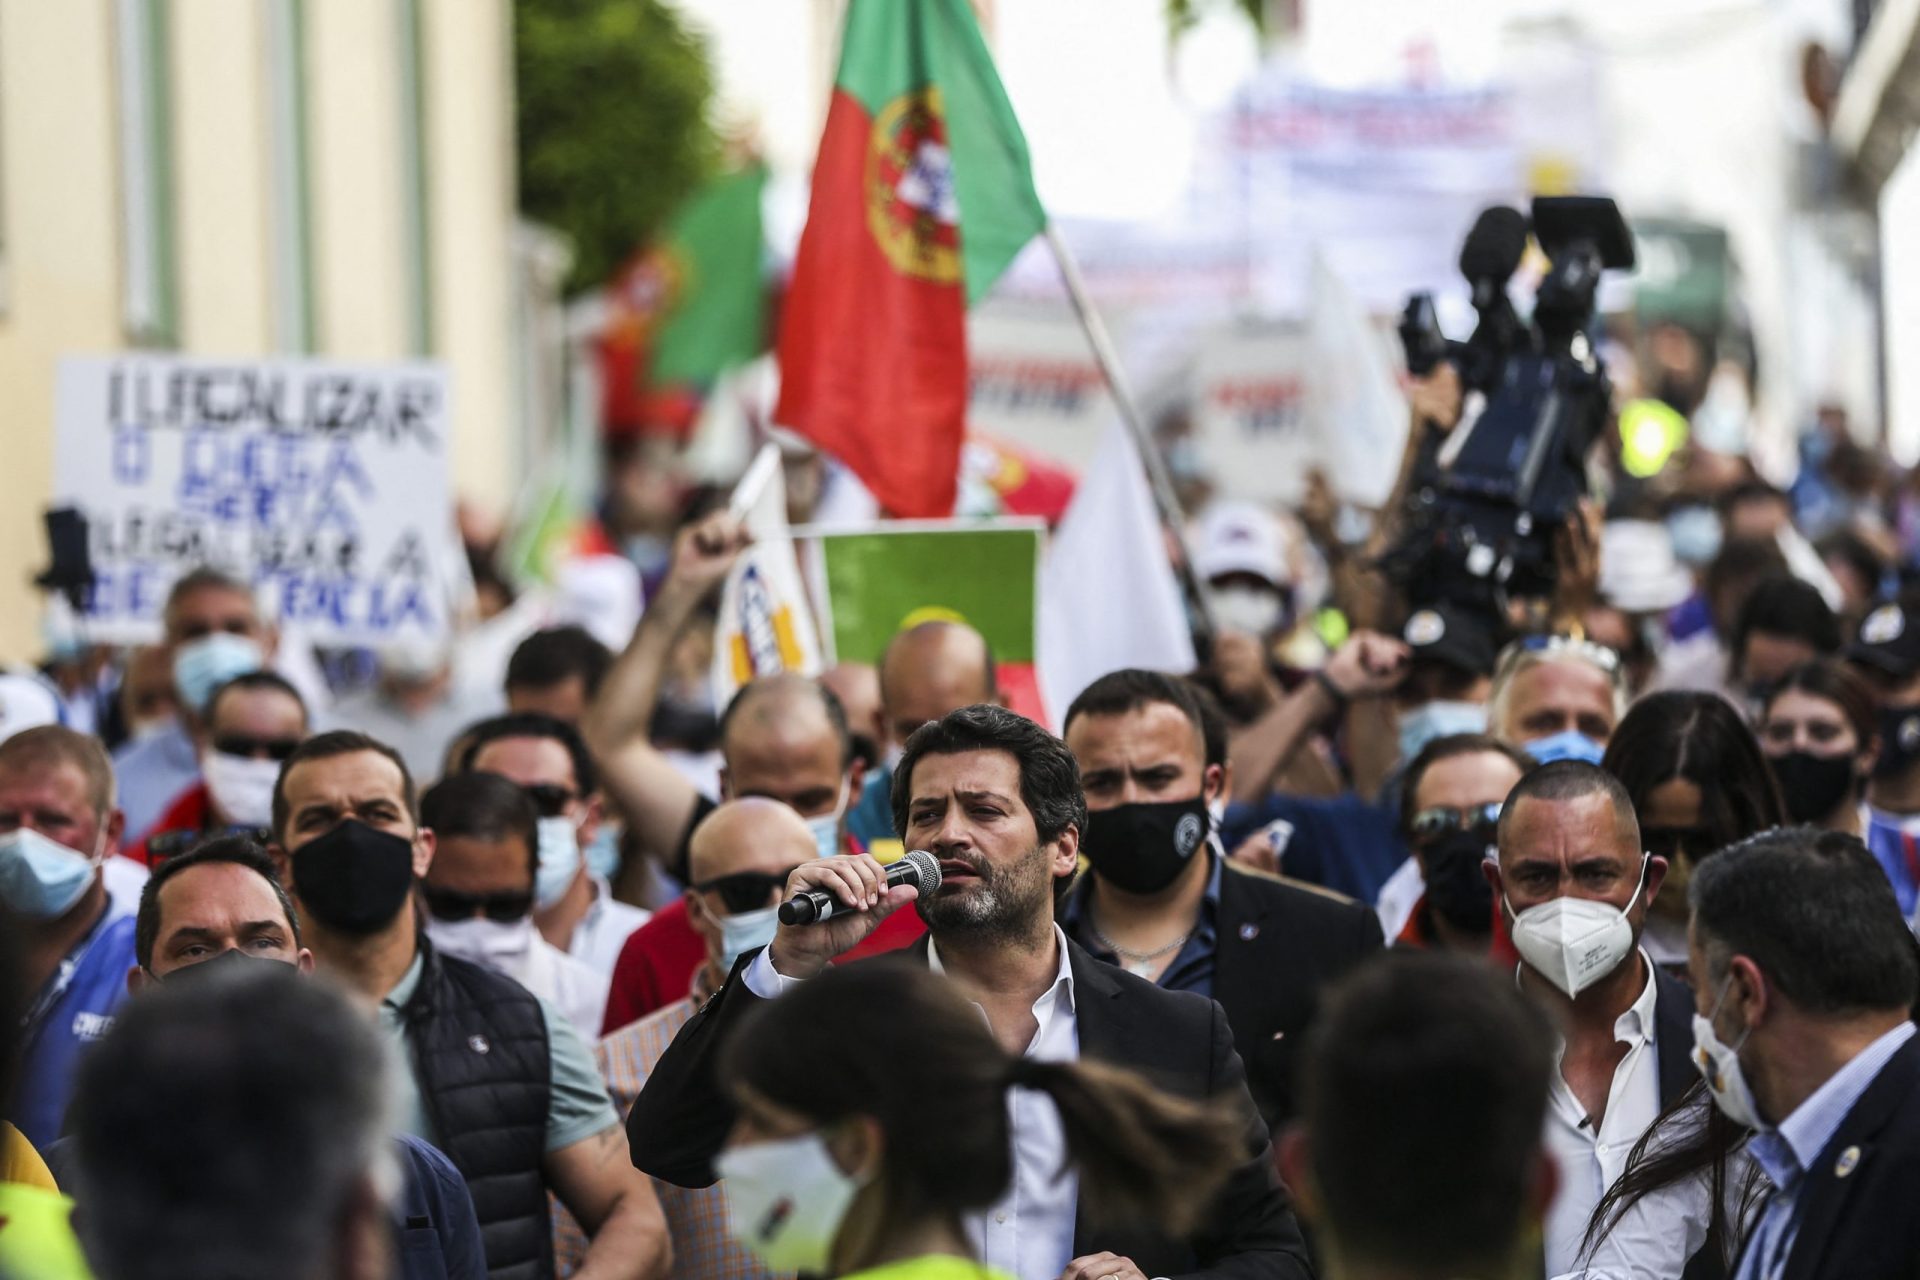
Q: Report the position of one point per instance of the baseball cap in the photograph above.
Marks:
(1450, 635)
(1241, 537)
(26, 702)
(1889, 640)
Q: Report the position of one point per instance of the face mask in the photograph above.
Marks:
(603, 855)
(1575, 942)
(231, 962)
(826, 827)
(742, 931)
(500, 945)
(1456, 887)
(786, 1200)
(354, 879)
(1899, 740)
(1696, 534)
(42, 878)
(203, 665)
(1143, 848)
(1436, 720)
(242, 787)
(1719, 1066)
(559, 860)
(1247, 609)
(1568, 745)
(1814, 786)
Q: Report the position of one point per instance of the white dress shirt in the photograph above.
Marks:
(1590, 1161)
(1028, 1234)
(601, 933)
(577, 991)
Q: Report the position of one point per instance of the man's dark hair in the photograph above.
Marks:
(1131, 688)
(270, 1088)
(1815, 912)
(764, 686)
(325, 746)
(482, 806)
(262, 679)
(1447, 748)
(237, 851)
(1049, 775)
(1440, 1062)
(556, 654)
(1781, 605)
(1214, 730)
(532, 724)
(1570, 780)
(1740, 563)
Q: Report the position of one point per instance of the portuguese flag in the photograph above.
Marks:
(715, 300)
(922, 195)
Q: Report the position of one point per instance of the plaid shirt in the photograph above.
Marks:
(696, 1219)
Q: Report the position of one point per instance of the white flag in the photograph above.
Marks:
(765, 625)
(1357, 411)
(1108, 594)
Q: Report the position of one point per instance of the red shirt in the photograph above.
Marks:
(657, 964)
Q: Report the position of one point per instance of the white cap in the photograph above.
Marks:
(1638, 570)
(1240, 537)
(26, 702)
(600, 593)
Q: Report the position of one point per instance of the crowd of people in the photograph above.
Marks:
(1404, 939)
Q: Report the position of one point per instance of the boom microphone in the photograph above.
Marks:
(815, 906)
(1493, 249)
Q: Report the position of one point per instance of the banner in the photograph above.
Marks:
(323, 484)
(764, 626)
(1250, 420)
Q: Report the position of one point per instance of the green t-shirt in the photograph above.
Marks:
(577, 1103)
(934, 1266)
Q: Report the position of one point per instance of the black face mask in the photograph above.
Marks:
(231, 962)
(1899, 740)
(355, 878)
(1814, 786)
(1457, 888)
(1143, 848)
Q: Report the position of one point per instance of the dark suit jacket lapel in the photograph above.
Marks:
(1239, 984)
(1673, 1036)
(1824, 1192)
(1103, 1036)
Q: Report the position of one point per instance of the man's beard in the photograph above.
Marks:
(1003, 904)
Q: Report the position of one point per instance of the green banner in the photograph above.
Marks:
(881, 581)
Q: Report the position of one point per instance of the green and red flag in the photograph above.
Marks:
(922, 195)
(690, 306)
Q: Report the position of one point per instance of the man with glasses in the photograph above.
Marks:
(574, 906)
(1558, 698)
(740, 858)
(479, 894)
(1449, 811)
(252, 724)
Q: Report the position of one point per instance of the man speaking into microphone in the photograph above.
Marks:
(996, 800)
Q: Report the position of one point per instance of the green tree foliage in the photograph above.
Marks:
(613, 122)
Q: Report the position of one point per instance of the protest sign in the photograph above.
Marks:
(323, 484)
(764, 626)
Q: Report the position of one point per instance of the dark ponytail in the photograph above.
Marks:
(1141, 1153)
(897, 1043)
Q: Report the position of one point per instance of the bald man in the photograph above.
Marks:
(857, 685)
(927, 671)
(739, 859)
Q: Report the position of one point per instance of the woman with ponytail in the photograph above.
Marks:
(873, 1114)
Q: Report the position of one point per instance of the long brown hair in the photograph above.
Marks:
(897, 1043)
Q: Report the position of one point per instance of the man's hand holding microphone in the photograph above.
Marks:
(862, 892)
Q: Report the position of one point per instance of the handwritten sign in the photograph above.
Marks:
(323, 484)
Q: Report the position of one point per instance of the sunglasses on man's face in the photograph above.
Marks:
(450, 904)
(746, 890)
(1444, 820)
(252, 748)
(550, 800)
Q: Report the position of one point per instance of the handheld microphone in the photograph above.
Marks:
(816, 906)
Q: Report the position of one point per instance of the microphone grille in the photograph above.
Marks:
(1495, 245)
(926, 871)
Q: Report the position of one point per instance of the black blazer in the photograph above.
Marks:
(1178, 1040)
(1857, 1219)
(1278, 946)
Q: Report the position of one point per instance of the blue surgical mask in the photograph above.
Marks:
(559, 861)
(1697, 534)
(1570, 744)
(1436, 720)
(826, 827)
(202, 665)
(603, 854)
(40, 878)
(745, 930)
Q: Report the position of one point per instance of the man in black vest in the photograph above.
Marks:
(997, 800)
(1162, 901)
(499, 1081)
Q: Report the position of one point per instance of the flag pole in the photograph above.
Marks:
(1158, 480)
